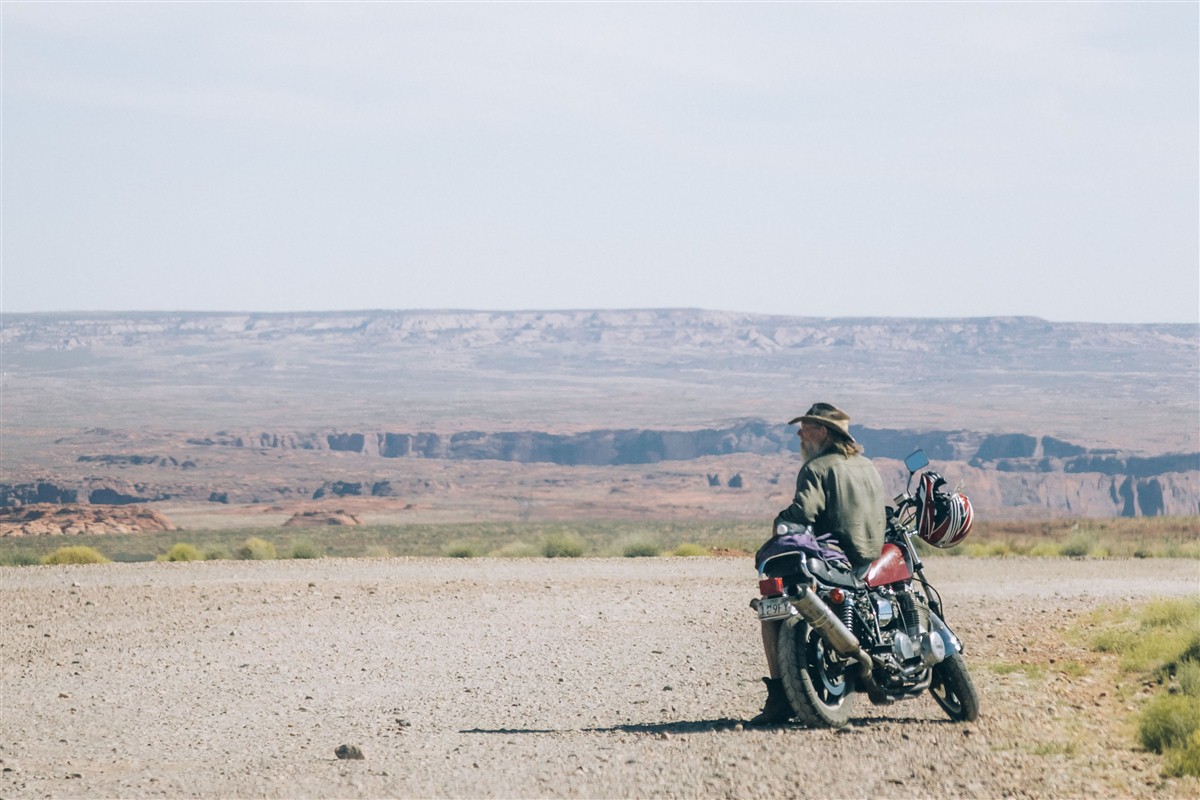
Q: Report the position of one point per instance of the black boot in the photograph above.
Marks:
(777, 709)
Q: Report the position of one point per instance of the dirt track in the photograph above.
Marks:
(567, 678)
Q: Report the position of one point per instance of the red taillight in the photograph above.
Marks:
(837, 595)
(770, 587)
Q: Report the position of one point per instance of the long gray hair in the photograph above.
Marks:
(847, 447)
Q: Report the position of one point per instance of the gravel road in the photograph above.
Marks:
(532, 678)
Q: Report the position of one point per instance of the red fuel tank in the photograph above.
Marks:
(890, 567)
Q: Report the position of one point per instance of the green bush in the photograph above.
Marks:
(77, 554)
(641, 550)
(1148, 649)
(462, 550)
(1184, 550)
(562, 545)
(1181, 761)
(1187, 675)
(19, 558)
(1045, 550)
(1080, 544)
(1171, 613)
(1162, 640)
(377, 551)
(182, 551)
(1168, 721)
(256, 549)
(687, 550)
(305, 549)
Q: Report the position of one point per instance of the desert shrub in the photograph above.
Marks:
(462, 550)
(687, 549)
(1170, 613)
(1187, 675)
(641, 550)
(182, 551)
(305, 549)
(19, 558)
(1168, 721)
(1162, 640)
(1045, 550)
(1147, 649)
(974, 549)
(77, 554)
(998, 550)
(562, 545)
(516, 550)
(256, 549)
(1181, 761)
(1167, 634)
(1184, 550)
(216, 552)
(1080, 544)
(377, 551)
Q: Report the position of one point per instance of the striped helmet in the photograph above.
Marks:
(943, 520)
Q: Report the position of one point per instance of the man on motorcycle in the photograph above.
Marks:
(838, 492)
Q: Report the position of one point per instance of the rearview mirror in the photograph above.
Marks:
(916, 461)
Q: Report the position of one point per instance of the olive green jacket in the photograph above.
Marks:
(843, 496)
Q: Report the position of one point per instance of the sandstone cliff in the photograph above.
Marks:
(245, 408)
(1006, 473)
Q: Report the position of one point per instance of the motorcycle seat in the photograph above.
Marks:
(835, 575)
(786, 565)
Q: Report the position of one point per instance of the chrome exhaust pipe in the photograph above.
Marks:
(821, 617)
(817, 614)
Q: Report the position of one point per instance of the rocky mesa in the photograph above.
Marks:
(231, 409)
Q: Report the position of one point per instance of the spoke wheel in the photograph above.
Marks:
(815, 679)
(954, 691)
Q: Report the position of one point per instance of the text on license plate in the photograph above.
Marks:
(774, 608)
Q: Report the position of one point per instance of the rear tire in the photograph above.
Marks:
(953, 689)
(814, 678)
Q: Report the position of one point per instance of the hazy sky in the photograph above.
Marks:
(907, 159)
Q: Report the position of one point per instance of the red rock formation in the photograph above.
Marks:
(315, 519)
(46, 519)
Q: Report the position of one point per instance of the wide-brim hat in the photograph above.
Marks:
(831, 417)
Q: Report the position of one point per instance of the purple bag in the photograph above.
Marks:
(803, 542)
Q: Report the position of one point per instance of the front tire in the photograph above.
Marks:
(815, 678)
(953, 689)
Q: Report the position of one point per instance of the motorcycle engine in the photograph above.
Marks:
(904, 627)
(914, 613)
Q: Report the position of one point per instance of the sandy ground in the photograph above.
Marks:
(535, 678)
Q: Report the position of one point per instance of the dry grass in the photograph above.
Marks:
(1160, 643)
(1165, 537)
(1140, 537)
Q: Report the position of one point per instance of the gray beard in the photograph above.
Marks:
(806, 453)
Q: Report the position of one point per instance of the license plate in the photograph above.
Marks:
(775, 608)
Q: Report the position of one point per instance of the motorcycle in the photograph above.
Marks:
(879, 629)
